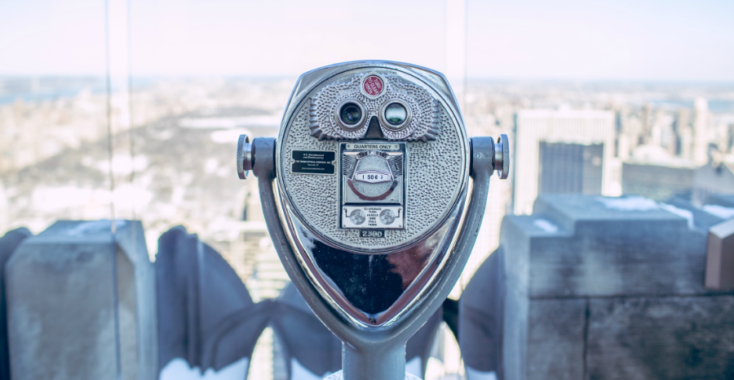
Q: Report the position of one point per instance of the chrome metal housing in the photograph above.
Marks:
(372, 283)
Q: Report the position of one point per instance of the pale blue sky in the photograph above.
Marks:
(523, 39)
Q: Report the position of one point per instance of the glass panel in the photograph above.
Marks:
(203, 73)
(53, 114)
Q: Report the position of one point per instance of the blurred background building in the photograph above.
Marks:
(563, 151)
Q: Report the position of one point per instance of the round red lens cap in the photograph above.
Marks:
(373, 85)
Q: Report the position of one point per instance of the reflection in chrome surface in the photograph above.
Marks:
(369, 282)
(373, 289)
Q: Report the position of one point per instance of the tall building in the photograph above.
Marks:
(684, 132)
(646, 124)
(700, 132)
(630, 131)
(570, 168)
(563, 151)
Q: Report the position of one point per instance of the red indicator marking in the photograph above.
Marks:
(372, 85)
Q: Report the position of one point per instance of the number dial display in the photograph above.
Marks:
(372, 185)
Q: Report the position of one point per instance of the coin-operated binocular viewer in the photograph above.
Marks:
(365, 197)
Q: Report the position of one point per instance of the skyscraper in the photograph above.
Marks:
(563, 151)
(566, 168)
(685, 135)
(700, 132)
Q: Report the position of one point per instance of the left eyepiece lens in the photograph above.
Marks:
(350, 113)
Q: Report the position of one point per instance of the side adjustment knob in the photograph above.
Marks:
(244, 156)
(502, 156)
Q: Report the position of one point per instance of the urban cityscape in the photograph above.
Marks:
(167, 159)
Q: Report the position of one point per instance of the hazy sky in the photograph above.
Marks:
(525, 39)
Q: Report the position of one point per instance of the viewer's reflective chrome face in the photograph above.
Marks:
(372, 178)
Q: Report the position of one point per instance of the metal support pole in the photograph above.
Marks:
(374, 362)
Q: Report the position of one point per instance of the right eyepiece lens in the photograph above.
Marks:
(350, 113)
(396, 114)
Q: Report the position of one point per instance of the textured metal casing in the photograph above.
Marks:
(437, 174)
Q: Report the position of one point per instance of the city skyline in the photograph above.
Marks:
(172, 144)
(218, 110)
